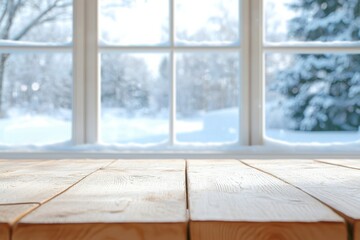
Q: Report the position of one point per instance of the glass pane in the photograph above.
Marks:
(134, 22)
(313, 98)
(135, 98)
(36, 102)
(36, 20)
(207, 22)
(207, 97)
(312, 20)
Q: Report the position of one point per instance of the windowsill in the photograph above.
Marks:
(270, 149)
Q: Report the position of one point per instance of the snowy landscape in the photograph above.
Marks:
(41, 130)
(309, 98)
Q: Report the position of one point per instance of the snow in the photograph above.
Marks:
(138, 130)
(11, 43)
(205, 128)
(42, 130)
(322, 138)
(39, 130)
(220, 126)
(217, 129)
(182, 42)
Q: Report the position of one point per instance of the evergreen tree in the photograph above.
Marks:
(322, 92)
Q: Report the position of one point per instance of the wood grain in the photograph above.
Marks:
(102, 231)
(266, 230)
(351, 163)
(231, 201)
(338, 187)
(126, 200)
(39, 182)
(9, 214)
(7, 166)
(4, 231)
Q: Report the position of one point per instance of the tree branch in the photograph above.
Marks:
(18, 5)
(38, 19)
(3, 14)
(10, 18)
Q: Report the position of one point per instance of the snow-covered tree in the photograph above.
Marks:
(322, 92)
(128, 83)
(207, 82)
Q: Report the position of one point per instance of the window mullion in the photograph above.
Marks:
(311, 49)
(78, 126)
(256, 124)
(92, 83)
(172, 137)
(244, 114)
(35, 48)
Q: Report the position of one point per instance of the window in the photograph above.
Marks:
(179, 75)
(167, 78)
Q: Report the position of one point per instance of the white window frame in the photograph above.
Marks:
(91, 132)
(252, 142)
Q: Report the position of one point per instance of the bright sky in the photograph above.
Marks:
(143, 22)
(277, 17)
(193, 15)
(147, 21)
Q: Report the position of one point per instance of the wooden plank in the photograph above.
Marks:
(231, 201)
(100, 231)
(351, 163)
(338, 187)
(9, 214)
(38, 183)
(265, 230)
(357, 230)
(4, 232)
(7, 166)
(126, 200)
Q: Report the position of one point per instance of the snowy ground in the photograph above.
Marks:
(33, 130)
(312, 137)
(214, 127)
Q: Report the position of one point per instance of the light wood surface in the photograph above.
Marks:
(351, 163)
(127, 200)
(40, 182)
(9, 214)
(229, 200)
(146, 199)
(338, 187)
(7, 166)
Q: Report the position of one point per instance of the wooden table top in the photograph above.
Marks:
(180, 199)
